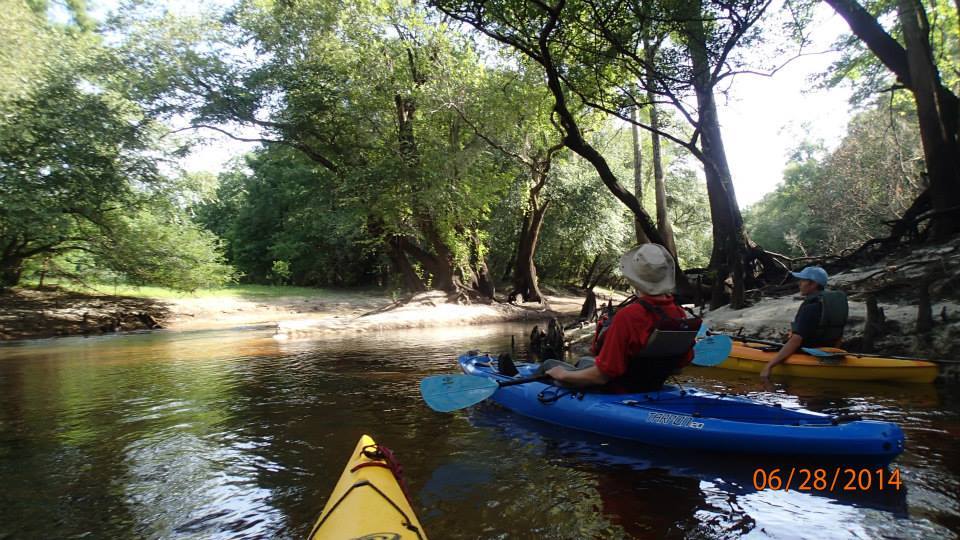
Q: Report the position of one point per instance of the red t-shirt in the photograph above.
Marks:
(629, 332)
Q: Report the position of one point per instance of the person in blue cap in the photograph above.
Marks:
(820, 319)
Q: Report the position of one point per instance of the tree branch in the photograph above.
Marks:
(303, 147)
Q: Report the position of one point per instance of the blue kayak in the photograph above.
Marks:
(688, 418)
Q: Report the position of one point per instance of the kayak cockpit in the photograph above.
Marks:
(679, 401)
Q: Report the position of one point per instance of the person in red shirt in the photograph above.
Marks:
(650, 269)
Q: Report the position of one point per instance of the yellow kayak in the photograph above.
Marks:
(751, 357)
(368, 501)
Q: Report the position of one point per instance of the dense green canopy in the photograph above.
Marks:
(81, 164)
(397, 146)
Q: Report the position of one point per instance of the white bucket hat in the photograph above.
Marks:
(650, 268)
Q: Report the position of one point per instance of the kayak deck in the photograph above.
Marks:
(752, 357)
(692, 419)
(367, 502)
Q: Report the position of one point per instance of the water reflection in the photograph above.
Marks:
(242, 435)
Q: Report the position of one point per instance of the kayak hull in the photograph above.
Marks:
(367, 502)
(751, 358)
(696, 420)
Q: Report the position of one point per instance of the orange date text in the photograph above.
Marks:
(826, 479)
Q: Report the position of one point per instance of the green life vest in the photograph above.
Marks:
(834, 310)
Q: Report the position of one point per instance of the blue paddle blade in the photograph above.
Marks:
(712, 351)
(824, 356)
(445, 393)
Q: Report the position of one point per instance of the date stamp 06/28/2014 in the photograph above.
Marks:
(827, 479)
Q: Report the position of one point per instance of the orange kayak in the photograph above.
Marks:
(752, 357)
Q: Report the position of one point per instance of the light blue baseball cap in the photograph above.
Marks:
(813, 273)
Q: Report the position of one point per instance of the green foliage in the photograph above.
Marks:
(367, 91)
(79, 166)
(283, 222)
(832, 201)
(280, 272)
(787, 220)
(379, 121)
(867, 76)
(167, 251)
(585, 221)
(689, 211)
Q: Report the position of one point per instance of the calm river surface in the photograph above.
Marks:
(234, 434)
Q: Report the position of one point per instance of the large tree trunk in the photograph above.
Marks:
(729, 240)
(411, 281)
(11, 262)
(525, 282)
(941, 150)
(485, 284)
(441, 263)
(660, 189)
(481, 280)
(11, 268)
(638, 176)
(589, 277)
(939, 112)
(730, 244)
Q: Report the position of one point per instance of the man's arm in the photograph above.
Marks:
(590, 376)
(804, 325)
(791, 346)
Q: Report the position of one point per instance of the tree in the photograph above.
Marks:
(357, 89)
(659, 188)
(79, 165)
(590, 56)
(278, 209)
(832, 202)
(915, 67)
(511, 113)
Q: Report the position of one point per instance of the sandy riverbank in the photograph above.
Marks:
(31, 313)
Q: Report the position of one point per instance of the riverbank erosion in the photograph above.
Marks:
(49, 312)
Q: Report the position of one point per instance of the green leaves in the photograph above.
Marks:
(80, 166)
(832, 201)
(868, 77)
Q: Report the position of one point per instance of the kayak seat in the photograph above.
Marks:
(649, 368)
(668, 343)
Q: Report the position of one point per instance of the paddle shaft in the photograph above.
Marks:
(523, 380)
(845, 353)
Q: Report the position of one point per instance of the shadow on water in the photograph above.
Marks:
(733, 474)
(240, 435)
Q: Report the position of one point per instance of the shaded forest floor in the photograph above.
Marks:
(27, 313)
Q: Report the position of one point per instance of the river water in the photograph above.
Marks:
(235, 434)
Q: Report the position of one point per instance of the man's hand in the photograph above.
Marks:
(765, 372)
(791, 346)
(557, 373)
